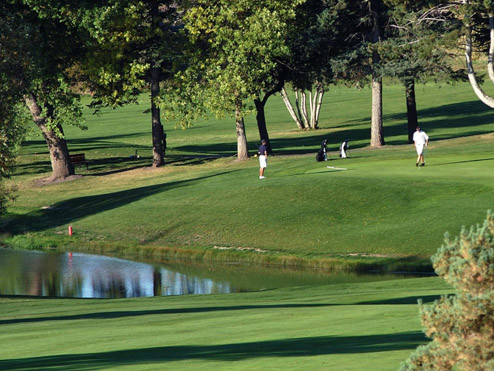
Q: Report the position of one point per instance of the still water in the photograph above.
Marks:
(77, 275)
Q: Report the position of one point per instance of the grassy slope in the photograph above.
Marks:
(340, 327)
(381, 205)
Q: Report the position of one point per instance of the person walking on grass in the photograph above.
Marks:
(263, 158)
(421, 140)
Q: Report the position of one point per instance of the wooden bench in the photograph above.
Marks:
(79, 159)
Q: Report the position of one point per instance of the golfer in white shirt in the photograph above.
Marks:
(421, 140)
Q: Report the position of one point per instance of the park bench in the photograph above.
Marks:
(79, 159)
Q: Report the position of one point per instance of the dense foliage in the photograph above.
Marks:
(12, 116)
(462, 326)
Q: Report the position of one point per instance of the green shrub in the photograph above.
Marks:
(461, 326)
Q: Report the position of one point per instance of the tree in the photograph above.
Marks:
(338, 41)
(133, 44)
(420, 37)
(241, 43)
(39, 50)
(470, 13)
(12, 129)
(461, 326)
(13, 117)
(316, 28)
(377, 135)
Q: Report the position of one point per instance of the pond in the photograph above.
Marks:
(77, 275)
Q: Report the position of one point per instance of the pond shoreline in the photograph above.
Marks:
(358, 263)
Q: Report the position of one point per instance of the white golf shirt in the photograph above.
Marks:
(420, 138)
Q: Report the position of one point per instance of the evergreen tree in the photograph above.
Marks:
(420, 37)
(461, 326)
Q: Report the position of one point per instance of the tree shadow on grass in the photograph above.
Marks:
(451, 116)
(406, 300)
(73, 209)
(449, 119)
(78, 144)
(293, 347)
(462, 162)
(138, 313)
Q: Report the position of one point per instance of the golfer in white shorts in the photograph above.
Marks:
(421, 140)
(263, 158)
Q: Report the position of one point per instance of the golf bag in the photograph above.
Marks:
(343, 149)
(322, 155)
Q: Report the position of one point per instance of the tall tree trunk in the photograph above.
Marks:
(490, 60)
(261, 117)
(303, 109)
(242, 153)
(377, 136)
(157, 127)
(261, 122)
(320, 90)
(489, 101)
(411, 108)
(59, 154)
(290, 109)
(312, 107)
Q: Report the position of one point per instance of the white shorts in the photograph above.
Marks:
(263, 161)
(420, 148)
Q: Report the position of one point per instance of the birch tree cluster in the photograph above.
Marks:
(305, 119)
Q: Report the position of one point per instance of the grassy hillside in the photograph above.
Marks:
(380, 206)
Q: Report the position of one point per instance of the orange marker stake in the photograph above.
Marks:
(70, 230)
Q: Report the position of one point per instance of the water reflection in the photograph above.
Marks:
(93, 276)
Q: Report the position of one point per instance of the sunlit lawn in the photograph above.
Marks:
(378, 204)
(381, 205)
(340, 327)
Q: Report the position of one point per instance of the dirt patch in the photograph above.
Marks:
(369, 255)
(47, 181)
(239, 248)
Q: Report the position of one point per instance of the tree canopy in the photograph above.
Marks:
(242, 43)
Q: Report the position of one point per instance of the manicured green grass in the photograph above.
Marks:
(382, 208)
(340, 327)
(382, 205)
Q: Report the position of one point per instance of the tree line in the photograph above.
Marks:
(226, 57)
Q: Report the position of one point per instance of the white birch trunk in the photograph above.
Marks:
(290, 109)
(319, 105)
(312, 105)
(468, 57)
(490, 67)
(303, 108)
